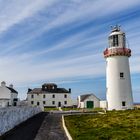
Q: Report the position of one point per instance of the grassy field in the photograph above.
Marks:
(115, 125)
(46, 109)
(68, 109)
(83, 110)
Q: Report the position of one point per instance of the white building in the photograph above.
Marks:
(88, 101)
(118, 82)
(103, 104)
(49, 95)
(8, 95)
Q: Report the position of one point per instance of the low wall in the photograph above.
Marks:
(12, 116)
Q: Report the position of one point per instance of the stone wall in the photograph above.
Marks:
(12, 116)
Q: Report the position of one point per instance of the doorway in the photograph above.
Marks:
(90, 104)
(15, 103)
(59, 104)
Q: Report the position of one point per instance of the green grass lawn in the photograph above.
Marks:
(83, 110)
(46, 109)
(115, 125)
(68, 109)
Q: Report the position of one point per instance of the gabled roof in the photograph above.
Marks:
(48, 88)
(12, 90)
(40, 91)
(84, 97)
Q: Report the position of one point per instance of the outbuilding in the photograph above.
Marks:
(88, 101)
(8, 95)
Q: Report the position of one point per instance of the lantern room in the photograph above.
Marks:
(116, 38)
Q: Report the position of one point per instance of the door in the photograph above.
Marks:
(59, 104)
(15, 103)
(90, 104)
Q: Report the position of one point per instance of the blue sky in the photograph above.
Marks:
(62, 41)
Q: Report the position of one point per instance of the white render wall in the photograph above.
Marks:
(118, 89)
(94, 99)
(59, 97)
(103, 104)
(12, 116)
(4, 102)
(6, 97)
(5, 93)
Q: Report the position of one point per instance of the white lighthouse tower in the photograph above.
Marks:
(118, 81)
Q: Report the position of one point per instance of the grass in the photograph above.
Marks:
(115, 125)
(46, 109)
(84, 109)
(70, 108)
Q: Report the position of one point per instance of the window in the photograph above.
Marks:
(44, 102)
(65, 96)
(53, 102)
(123, 103)
(44, 96)
(65, 102)
(115, 40)
(32, 96)
(53, 96)
(32, 102)
(121, 75)
(15, 99)
(38, 103)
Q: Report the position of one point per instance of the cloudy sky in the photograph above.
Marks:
(62, 41)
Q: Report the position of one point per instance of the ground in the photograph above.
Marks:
(26, 130)
(43, 126)
(115, 125)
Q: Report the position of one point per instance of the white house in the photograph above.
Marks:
(88, 101)
(8, 95)
(49, 95)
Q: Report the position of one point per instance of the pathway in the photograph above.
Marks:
(51, 128)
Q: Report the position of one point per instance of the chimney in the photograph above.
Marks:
(3, 84)
(11, 86)
(29, 89)
(69, 90)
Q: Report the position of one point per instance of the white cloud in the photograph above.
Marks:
(13, 12)
(86, 57)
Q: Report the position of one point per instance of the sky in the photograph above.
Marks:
(62, 41)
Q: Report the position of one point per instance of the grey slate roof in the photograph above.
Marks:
(83, 97)
(12, 90)
(40, 91)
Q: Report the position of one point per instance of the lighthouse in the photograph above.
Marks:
(118, 81)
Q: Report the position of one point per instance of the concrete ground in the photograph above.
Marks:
(43, 126)
(51, 128)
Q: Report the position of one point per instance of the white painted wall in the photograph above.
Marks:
(13, 95)
(118, 89)
(5, 93)
(59, 97)
(4, 102)
(93, 98)
(6, 97)
(103, 104)
(12, 116)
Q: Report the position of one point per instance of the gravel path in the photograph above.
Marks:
(51, 128)
(26, 130)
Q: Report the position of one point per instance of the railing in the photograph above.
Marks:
(117, 52)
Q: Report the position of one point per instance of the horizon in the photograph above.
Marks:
(63, 42)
